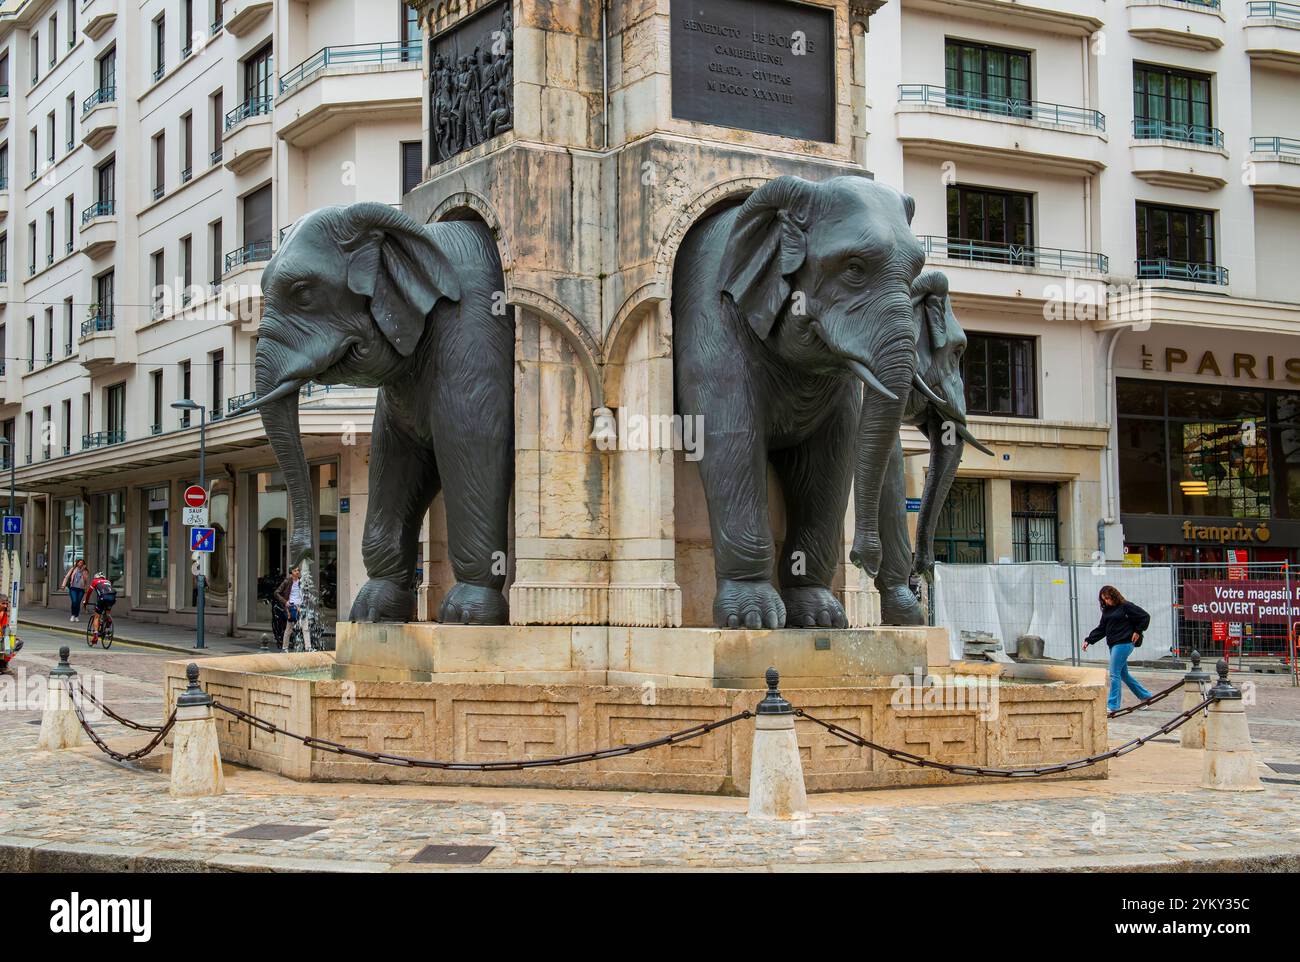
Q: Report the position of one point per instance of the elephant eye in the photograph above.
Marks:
(301, 292)
(855, 272)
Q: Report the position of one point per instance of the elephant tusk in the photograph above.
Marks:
(940, 405)
(284, 390)
(967, 436)
(863, 373)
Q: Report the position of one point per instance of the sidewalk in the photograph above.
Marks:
(143, 633)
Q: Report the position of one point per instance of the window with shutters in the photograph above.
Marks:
(412, 165)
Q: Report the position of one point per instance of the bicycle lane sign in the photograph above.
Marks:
(203, 539)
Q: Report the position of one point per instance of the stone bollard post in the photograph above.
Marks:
(196, 757)
(59, 725)
(1229, 760)
(776, 788)
(1192, 734)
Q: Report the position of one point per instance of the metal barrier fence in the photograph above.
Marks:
(1245, 612)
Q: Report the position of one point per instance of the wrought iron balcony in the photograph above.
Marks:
(101, 439)
(159, 71)
(1015, 255)
(349, 54)
(4, 90)
(253, 107)
(215, 157)
(1275, 145)
(1273, 10)
(1144, 129)
(237, 402)
(186, 175)
(100, 208)
(1002, 106)
(155, 429)
(97, 323)
(158, 191)
(1161, 268)
(104, 95)
(248, 254)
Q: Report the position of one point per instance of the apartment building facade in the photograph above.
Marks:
(1113, 188)
(152, 154)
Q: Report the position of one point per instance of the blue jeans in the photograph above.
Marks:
(1119, 670)
(74, 599)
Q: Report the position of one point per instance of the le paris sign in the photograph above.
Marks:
(195, 511)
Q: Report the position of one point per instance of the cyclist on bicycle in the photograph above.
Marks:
(105, 598)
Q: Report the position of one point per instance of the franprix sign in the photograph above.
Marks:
(765, 65)
(1260, 602)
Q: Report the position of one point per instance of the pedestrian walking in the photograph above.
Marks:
(1122, 624)
(76, 582)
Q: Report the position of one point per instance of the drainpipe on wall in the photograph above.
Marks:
(1107, 476)
(604, 71)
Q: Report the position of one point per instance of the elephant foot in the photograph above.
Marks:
(747, 604)
(813, 606)
(380, 600)
(468, 604)
(899, 607)
(866, 553)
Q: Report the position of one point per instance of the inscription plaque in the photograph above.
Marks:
(765, 65)
(471, 82)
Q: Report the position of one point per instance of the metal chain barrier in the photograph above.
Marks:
(385, 758)
(115, 716)
(1120, 712)
(909, 758)
(103, 746)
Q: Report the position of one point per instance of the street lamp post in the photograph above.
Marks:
(187, 405)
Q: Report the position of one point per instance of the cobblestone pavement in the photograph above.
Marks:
(77, 809)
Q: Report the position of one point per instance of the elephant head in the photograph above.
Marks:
(937, 405)
(822, 273)
(345, 302)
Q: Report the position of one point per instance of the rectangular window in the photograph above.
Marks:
(106, 184)
(1035, 521)
(115, 412)
(258, 71)
(49, 335)
(47, 416)
(71, 538)
(49, 236)
(36, 60)
(412, 165)
(999, 373)
(185, 393)
(959, 536)
(53, 39)
(30, 430)
(159, 165)
(154, 577)
(187, 27)
(70, 121)
(216, 109)
(4, 166)
(187, 147)
(218, 254)
(187, 268)
(35, 151)
(156, 398)
(106, 72)
(991, 79)
(31, 248)
(50, 137)
(257, 218)
(158, 271)
(217, 360)
(69, 223)
(67, 325)
(411, 40)
(1172, 104)
(1172, 241)
(72, 23)
(104, 297)
(66, 422)
(159, 47)
(990, 225)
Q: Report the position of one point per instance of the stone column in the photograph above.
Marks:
(856, 589)
(1195, 686)
(776, 786)
(60, 727)
(1229, 762)
(196, 757)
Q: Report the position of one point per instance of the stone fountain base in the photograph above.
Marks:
(475, 694)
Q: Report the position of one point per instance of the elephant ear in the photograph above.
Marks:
(395, 263)
(930, 297)
(767, 245)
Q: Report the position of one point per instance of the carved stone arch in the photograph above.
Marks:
(627, 321)
(463, 204)
(570, 328)
(734, 190)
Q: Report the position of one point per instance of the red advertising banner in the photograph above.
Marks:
(1258, 602)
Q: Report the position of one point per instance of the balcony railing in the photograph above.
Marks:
(100, 208)
(219, 23)
(187, 174)
(4, 275)
(96, 324)
(1272, 10)
(347, 55)
(234, 403)
(104, 95)
(155, 429)
(4, 183)
(1015, 255)
(215, 157)
(1204, 4)
(158, 191)
(1184, 133)
(248, 254)
(1002, 106)
(253, 107)
(4, 90)
(1275, 145)
(216, 414)
(101, 439)
(158, 72)
(1161, 268)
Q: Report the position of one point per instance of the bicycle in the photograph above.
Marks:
(104, 635)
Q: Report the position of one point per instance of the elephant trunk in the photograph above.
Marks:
(878, 429)
(280, 420)
(946, 446)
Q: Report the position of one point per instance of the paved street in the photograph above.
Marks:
(78, 809)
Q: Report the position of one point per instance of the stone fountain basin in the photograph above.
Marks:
(470, 694)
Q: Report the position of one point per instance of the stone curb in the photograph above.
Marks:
(140, 643)
(23, 854)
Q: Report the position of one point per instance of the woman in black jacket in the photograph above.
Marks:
(1122, 624)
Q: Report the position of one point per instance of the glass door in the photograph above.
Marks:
(153, 581)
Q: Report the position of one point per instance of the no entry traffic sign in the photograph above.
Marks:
(195, 496)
